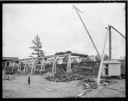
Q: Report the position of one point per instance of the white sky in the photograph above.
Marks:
(60, 29)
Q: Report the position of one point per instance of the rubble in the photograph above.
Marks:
(65, 77)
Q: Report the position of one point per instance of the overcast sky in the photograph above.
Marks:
(60, 28)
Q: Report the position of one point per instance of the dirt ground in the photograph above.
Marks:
(42, 88)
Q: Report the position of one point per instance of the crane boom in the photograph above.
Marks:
(86, 30)
(117, 31)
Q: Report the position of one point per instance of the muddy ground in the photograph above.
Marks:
(42, 88)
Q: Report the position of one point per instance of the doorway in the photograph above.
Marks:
(106, 69)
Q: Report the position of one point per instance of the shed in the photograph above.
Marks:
(111, 68)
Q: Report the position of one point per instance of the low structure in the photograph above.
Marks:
(23, 65)
(9, 61)
(111, 68)
(8, 66)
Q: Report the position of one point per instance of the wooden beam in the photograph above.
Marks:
(102, 59)
(35, 62)
(69, 70)
(54, 65)
(33, 66)
(19, 66)
(42, 65)
(25, 66)
(110, 42)
(4, 71)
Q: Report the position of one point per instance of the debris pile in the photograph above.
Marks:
(65, 77)
(106, 82)
(62, 76)
(88, 83)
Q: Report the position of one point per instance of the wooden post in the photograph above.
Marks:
(54, 65)
(102, 59)
(110, 42)
(69, 70)
(24, 66)
(19, 66)
(4, 71)
(33, 66)
(35, 62)
(42, 65)
(11, 66)
(14, 65)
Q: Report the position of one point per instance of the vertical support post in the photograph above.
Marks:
(4, 71)
(42, 65)
(69, 70)
(35, 63)
(110, 42)
(5, 68)
(33, 66)
(24, 66)
(54, 65)
(11, 65)
(14, 65)
(102, 59)
(19, 69)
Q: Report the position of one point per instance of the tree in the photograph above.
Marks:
(106, 57)
(98, 58)
(37, 47)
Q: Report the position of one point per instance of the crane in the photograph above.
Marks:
(110, 27)
(86, 29)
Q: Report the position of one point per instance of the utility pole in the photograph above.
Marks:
(110, 42)
(86, 29)
(102, 59)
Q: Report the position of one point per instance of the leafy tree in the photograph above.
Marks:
(37, 45)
